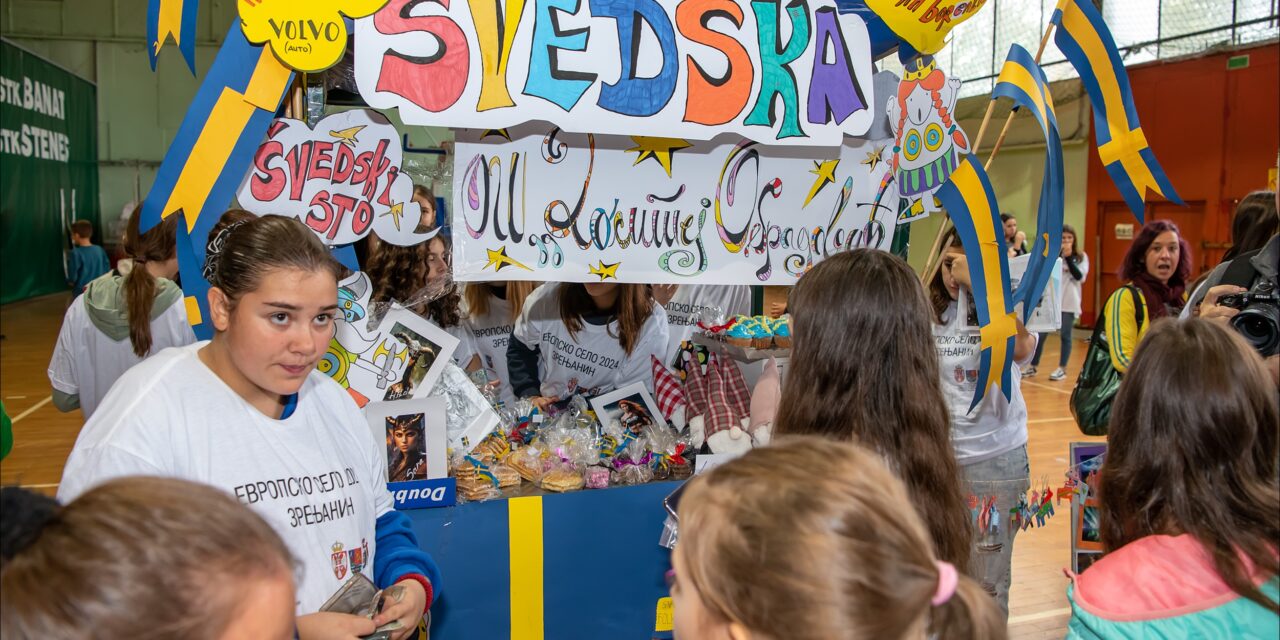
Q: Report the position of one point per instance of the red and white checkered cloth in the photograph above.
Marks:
(735, 386)
(721, 414)
(666, 389)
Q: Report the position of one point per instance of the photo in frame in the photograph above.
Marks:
(428, 349)
(632, 406)
(1086, 536)
(416, 440)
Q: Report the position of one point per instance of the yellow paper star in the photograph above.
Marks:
(874, 157)
(826, 172)
(605, 271)
(502, 133)
(396, 212)
(347, 136)
(660, 149)
(499, 259)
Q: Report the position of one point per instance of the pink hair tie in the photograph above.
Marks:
(947, 581)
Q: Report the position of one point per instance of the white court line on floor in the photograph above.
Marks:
(16, 398)
(32, 409)
(1031, 617)
(1042, 420)
(40, 486)
(1045, 386)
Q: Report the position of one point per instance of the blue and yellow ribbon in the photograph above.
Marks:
(175, 18)
(971, 202)
(1084, 39)
(1024, 82)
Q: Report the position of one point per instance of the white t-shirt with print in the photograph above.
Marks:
(1072, 289)
(691, 300)
(996, 425)
(317, 477)
(86, 361)
(491, 332)
(593, 362)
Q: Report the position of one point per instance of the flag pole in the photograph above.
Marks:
(934, 260)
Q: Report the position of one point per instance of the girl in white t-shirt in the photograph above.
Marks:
(120, 319)
(490, 310)
(991, 440)
(1075, 268)
(249, 413)
(588, 339)
(686, 305)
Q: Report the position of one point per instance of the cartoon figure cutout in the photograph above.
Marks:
(928, 143)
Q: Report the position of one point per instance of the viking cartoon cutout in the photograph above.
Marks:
(928, 143)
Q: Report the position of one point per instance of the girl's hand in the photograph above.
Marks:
(663, 293)
(543, 403)
(960, 272)
(327, 625)
(405, 601)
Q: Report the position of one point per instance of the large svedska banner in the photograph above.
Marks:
(548, 205)
(795, 72)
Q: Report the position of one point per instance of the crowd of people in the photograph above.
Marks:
(860, 501)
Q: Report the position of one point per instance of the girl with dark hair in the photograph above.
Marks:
(1075, 268)
(808, 539)
(573, 338)
(846, 382)
(490, 310)
(1155, 270)
(990, 440)
(120, 319)
(142, 558)
(1189, 512)
(1014, 239)
(248, 412)
(410, 275)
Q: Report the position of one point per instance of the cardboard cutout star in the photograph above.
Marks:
(499, 260)
(501, 133)
(396, 212)
(605, 271)
(660, 149)
(347, 136)
(874, 157)
(826, 172)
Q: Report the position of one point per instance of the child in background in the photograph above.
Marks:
(120, 320)
(1189, 511)
(809, 539)
(991, 440)
(588, 339)
(88, 261)
(491, 309)
(249, 413)
(1075, 268)
(142, 558)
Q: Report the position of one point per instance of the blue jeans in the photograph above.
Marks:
(1007, 478)
(1064, 334)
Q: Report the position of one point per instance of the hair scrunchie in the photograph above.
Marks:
(947, 581)
(213, 250)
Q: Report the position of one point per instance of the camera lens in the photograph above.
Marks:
(1258, 325)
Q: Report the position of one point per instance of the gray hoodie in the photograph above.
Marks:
(106, 306)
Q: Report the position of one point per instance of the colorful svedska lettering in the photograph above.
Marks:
(774, 71)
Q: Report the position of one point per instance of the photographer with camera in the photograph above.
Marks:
(1244, 291)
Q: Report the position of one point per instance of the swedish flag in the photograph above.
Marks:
(971, 202)
(175, 18)
(1024, 82)
(1086, 42)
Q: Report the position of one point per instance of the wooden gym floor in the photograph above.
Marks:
(43, 438)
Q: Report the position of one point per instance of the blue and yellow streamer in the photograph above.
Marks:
(1024, 82)
(1086, 42)
(175, 18)
(971, 202)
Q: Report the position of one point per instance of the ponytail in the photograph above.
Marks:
(158, 244)
(969, 613)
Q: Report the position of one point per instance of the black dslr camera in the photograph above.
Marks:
(1259, 317)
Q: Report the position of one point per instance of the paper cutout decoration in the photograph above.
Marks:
(928, 143)
(195, 288)
(970, 200)
(306, 35)
(553, 206)
(175, 18)
(217, 138)
(779, 73)
(924, 24)
(342, 179)
(402, 357)
(1024, 82)
(1086, 42)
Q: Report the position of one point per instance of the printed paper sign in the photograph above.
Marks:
(306, 35)
(551, 206)
(796, 73)
(342, 179)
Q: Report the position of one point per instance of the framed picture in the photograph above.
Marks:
(631, 406)
(416, 441)
(427, 349)
(469, 417)
(1083, 560)
(1086, 534)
